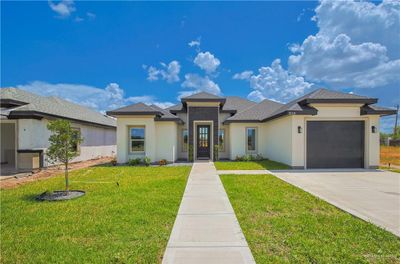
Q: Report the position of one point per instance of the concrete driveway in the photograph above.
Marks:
(371, 195)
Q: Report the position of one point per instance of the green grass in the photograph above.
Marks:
(284, 224)
(110, 224)
(390, 169)
(250, 165)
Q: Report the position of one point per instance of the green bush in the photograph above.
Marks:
(134, 162)
(147, 161)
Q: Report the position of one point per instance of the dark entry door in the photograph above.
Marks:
(335, 144)
(203, 141)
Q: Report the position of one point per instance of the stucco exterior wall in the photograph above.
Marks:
(277, 140)
(160, 139)
(166, 141)
(98, 141)
(237, 139)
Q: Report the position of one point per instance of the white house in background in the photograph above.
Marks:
(322, 129)
(24, 136)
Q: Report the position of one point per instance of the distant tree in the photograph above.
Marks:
(64, 143)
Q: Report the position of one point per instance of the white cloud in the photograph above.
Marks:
(63, 8)
(275, 83)
(356, 46)
(195, 43)
(207, 61)
(340, 63)
(362, 21)
(111, 97)
(199, 83)
(243, 75)
(169, 73)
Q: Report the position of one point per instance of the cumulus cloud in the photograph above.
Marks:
(362, 21)
(168, 72)
(275, 83)
(341, 63)
(207, 61)
(356, 46)
(242, 75)
(63, 8)
(111, 97)
(198, 83)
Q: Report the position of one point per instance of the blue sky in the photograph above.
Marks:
(109, 54)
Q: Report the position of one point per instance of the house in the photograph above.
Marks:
(24, 136)
(322, 129)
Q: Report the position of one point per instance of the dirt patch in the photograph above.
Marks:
(50, 172)
(390, 154)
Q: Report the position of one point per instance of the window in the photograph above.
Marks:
(185, 140)
(251, 139)
(77, 147)
(221, 140)
(137, 139)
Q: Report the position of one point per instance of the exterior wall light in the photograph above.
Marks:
(299, 129)
(373, 129)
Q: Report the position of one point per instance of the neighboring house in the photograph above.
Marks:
(323, 129)
(24, 136)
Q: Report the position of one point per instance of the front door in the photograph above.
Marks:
(203, 141)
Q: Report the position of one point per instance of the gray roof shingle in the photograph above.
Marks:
(52, 106)
(135, 109)
(202, 96)
(255, 113)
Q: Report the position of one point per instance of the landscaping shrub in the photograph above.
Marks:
(162, 162)
(134, 162)
(147, 161)
(247, 157)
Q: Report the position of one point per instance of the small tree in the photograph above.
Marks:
(63, 145)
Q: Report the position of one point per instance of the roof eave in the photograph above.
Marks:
(339, 101)
(39, 115)
(117, 113)
(311, 111)
(366, 111)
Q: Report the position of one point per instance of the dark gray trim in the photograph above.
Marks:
(339, 101)
(11, 103)
(117, 113)
(40, 115)
(177, 120)
(241, 121)
(297, 167)
(365, 110)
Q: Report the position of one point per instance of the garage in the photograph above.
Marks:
(335, 144)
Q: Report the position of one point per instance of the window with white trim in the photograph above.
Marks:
(137, 139)
(251, 136)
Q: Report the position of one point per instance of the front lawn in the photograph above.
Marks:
(129, 223)
(285, 224)
(250, 165)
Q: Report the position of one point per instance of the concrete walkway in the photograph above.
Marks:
(206, 229)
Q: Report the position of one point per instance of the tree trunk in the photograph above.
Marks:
(66, 178)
